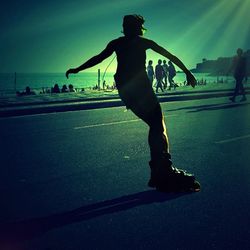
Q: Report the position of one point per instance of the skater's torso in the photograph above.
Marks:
(131, 77)
(131, 57)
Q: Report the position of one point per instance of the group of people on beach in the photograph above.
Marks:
(163, 74)
(53, 90)
(65, 89)
(27, 91)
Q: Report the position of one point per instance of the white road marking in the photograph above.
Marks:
(109, 123)
(233, 139)
(106, 124)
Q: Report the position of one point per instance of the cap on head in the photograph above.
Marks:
(133, 25)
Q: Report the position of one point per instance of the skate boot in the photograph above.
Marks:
(170, 179)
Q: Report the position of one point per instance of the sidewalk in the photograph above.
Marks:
(92, 99)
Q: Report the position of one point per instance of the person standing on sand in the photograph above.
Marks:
(150, 72)
(239, 65)
(165, 68)
(171, 75)
(137, 94)
(159, 74)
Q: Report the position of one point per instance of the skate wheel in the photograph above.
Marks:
(196, 187)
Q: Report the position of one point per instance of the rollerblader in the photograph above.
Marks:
(137, 93)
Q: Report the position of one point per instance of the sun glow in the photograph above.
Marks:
(223, 26)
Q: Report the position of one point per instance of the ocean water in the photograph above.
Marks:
(39, 81)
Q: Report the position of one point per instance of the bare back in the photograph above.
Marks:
(131, 56)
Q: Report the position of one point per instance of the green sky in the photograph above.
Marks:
(51, 36)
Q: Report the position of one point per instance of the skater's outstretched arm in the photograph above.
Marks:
(157, 48)
(93, 61)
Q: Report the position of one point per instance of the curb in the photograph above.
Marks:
(115, 97)
(32, 109)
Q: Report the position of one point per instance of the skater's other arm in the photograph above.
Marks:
(93, 61)
(157, 48)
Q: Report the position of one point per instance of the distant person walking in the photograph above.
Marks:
(239, 67)
(165, 73)
(150, 72)
(159, 73)
(137, 93)
(171, 75)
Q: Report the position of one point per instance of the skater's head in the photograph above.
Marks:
(164, 61)
(239, 51)
(133, 25)
(159, 61)
(150, 62)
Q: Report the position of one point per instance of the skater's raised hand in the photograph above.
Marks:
(71, 71)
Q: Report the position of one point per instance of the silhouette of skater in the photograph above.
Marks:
(137, 94)
(239, 65)
(171, 75)
(159, 73)
(150, 72)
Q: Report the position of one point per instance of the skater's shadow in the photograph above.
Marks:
(16, 232)
(209, 107)
(218, 107)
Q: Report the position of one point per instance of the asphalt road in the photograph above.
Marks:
(78, 180)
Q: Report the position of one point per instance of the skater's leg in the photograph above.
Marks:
(163, 175)
(157, 137)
